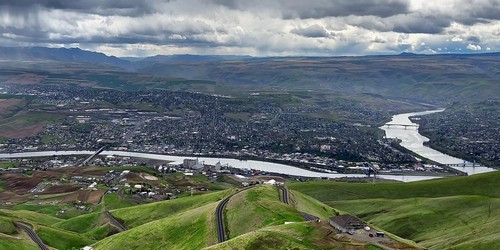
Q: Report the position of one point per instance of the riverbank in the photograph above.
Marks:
(235, 163)
(404, 129)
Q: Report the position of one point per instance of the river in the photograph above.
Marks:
(414, 141)
(250, 164)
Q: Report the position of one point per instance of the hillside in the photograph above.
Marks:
(458, 213)
(433, 78)
(59, 54)
(254, 218)
(329, 192)
(193, 229)
(256, 208)
(440, 79)
(10, 242)
(138, 215)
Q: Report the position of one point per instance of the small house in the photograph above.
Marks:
(346, 223)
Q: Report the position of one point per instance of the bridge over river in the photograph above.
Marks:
(406, 126)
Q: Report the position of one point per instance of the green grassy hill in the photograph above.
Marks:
(307, 204)
(327, 192)
(192, 229)
(7, 226)
(254, 219)
(256, 208)
(138, 215)
(458, 213)
(301, 235)
(31, 216)
(10, 242)
(94, 226)
(61, 239)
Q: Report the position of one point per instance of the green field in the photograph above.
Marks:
(114, 201)
(8, 164)
(44, 209)
(458, 213)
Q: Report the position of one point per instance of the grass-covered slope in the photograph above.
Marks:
(463, 222)
(61, 239)
(94, 225)
(138, 215)
(193, 229)
(455, 213)
(307, 204)
(301, 235)
(114, 201)
(24, 215)
(9, 242)
(325, 191)
(7, 225)
(292, 236)
(256, 208)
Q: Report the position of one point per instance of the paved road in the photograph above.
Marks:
(219, 213)
(283, 194)
(32, 234)
(114, 221)
(309, 217)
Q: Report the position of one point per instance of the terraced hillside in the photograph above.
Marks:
(457, 213)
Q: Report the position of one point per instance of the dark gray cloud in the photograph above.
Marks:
(104, 7)
(334, 8)
(403, 23)
(420, 24)
(301, 9)
(261, 27)
(311, 31)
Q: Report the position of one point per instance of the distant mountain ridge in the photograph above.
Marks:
(190, 57)
(439, 78)
(59, 54)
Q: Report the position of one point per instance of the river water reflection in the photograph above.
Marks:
(250, 164)
(414, 141)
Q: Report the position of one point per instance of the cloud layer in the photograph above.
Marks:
(254, 27)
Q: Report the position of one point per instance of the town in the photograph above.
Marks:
(195, 124)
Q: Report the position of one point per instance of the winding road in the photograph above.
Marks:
(283, 194)
(219, 213)
(32, 234)
(114, 221)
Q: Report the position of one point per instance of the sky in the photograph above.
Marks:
(254, 27)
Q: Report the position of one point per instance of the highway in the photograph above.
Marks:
(32, 234)
(219, 213)
(283, 194)
(114, 221)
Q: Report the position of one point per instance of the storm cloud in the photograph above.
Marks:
(274, 27)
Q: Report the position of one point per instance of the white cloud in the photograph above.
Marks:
(473, 47)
